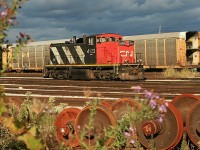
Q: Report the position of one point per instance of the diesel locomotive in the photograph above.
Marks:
(103, 56)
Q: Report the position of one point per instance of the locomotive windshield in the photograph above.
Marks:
(127, 42)
(108, 39)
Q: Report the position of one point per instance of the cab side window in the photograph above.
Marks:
(91, 41)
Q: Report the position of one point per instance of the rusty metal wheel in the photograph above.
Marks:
(193, 124)
(102, 119)
(124, 105)
(166, 134)
(106, 104)
(65, 127)
(184, 103)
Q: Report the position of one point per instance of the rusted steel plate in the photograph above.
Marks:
(193, 124)
(124, 105)
(184, 103)
(65, 127)
(106, 104)
(102, 119)
(166, 134)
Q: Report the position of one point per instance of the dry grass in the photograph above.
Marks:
(183, 73)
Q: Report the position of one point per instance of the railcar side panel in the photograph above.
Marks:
(161, 53)
(171, 51)
(176, 49)
(29, 58)
(151, 52)
(6, 58)
(1, 55)
(181, 52)
(140, 47)
(32, 56)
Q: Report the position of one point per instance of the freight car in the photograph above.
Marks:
(29, 58)
(1, 51)
(100, 56)
(164, 50)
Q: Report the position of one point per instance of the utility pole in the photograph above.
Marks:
(159, 29)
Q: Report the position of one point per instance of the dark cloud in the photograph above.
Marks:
(57, 19)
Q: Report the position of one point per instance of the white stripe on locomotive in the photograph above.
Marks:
(51, 63)
(80, 53)
(68, 55)
(57, 55)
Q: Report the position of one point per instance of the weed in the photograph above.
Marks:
(179, 73)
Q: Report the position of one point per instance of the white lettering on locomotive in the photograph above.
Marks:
(125, 53)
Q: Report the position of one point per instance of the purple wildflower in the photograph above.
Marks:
(22, 34)
(51, 111)
(132, 141)
(132, 130)
(153, 104)
(148, 94)
(160, 119)
(3, 14)
(10, 21)
(152, 96)
(136, 88)
(127, 134)
(162, 108)
(166, 104)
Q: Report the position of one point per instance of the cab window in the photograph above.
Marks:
(91, 41)
(112, 39)
(98, 40)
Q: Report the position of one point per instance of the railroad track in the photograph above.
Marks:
(181, 117)
(72, 91)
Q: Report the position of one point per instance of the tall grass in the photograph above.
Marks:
(180, 73)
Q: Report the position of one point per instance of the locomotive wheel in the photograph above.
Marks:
(166, 134)
(103, 118)
(66, 74)
(184, 103)
(65, 127)
(52, 74)
(140, 74)
(59, 74)
(123, 105)
(193, 124)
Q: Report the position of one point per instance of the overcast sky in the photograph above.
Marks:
(59, 19)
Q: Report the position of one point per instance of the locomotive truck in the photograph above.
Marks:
(101, 56)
